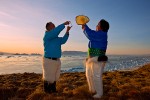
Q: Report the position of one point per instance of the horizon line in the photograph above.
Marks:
(1, 53)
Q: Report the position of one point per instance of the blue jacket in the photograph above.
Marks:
(98, 39)
(52, 43)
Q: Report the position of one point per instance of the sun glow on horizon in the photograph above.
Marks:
(22, 25)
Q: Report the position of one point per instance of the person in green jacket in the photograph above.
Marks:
(96, 56)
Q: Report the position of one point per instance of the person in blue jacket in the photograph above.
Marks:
(96, 56)
(52, 54)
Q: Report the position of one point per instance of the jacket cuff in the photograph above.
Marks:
(67, 33)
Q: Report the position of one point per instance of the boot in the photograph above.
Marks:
(45, 86)
(48, 87)
(53, 87)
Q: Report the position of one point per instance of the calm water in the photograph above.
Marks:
(70, 63)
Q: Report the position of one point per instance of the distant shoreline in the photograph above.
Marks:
(4, 53)
(72, 53)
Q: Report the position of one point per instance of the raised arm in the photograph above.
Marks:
(56, 31)
(65, 37)
(88, 32)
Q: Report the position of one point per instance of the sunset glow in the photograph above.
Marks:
(22, 24)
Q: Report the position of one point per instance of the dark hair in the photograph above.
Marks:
(47, 24)
(104, 25)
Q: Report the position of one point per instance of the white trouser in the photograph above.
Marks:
(94, 71)
(51, 69)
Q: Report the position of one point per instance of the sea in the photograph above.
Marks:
(69, 63)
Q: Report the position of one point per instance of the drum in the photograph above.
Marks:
(81, 19)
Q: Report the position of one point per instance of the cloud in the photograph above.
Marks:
(2, 25)
(6, 15)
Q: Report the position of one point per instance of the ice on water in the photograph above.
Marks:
(70, 63)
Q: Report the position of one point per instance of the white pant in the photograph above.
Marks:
(94, 71)
(51, 69)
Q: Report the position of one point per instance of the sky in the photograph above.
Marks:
(22, 24)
